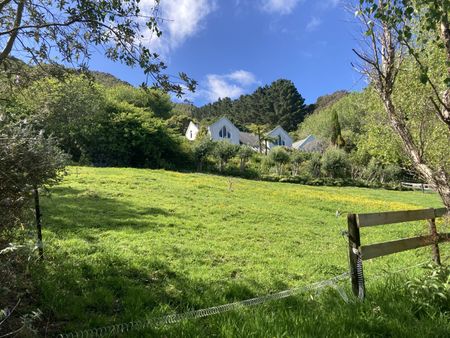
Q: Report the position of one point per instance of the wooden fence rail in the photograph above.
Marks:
(358, 253)
(419, 186)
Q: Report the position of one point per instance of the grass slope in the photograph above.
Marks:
(128, 243)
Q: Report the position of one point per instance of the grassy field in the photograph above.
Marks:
(123, 244)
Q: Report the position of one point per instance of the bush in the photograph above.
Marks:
(28, 160)
(335, 163)
(280, 157)
(431, 292)
(297, 158)
(224, 151)
(201, 148)
(244, 153)
(314, 165)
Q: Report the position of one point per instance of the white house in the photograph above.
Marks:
(281, 138)
(224, 130)
(192, 131)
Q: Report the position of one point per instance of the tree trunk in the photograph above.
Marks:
(242, 165)
(37, 208)
(438, 177)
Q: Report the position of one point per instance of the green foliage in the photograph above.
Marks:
(105, 127)
(279, 103)
(431, 292)
(201, 148)
(335, 163)
(151, 100)
(336, 136)
(280, 157)
(68, 32)
(28, 160)
(296, 159)
(244, 153)
(224, 151)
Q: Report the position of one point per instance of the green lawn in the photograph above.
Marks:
(123, 244)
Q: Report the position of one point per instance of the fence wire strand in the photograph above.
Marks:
(175, 318)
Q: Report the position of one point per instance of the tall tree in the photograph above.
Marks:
(391, 35)
(336, 135)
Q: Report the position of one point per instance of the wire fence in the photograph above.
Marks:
(122, 328)
(175, 318)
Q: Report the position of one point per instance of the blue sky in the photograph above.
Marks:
(232, 46)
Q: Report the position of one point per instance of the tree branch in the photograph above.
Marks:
(9, 45)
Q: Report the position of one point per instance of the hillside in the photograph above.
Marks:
(124, 244)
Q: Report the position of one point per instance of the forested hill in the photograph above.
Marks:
(279, 103)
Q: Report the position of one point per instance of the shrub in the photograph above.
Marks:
(297, 158)
(224, 151)
(280, 157)
(200, 150)
(335, 163)
(314, 165)
(244, 153)
(431, 293)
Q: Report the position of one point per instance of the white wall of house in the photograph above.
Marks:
(192, 131)
(224, 130)
(281, 137)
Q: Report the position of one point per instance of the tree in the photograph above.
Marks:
(28, 161)
(280, 157)
(297, 158)
(391, 36)
(335, 163)
(244, 153)
(201, 149)
(336, 136)
(224, 151)
(58, 30)
(288, 105)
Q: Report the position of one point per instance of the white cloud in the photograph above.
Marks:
(243, 77)
(279, 6)
(230, 85)
(313, 24)
(180, 20)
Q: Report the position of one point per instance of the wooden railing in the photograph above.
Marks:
(358, 253)
(418, 186)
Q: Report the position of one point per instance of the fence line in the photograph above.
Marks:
(175, 318)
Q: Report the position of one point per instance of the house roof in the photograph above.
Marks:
(222, 119)
(194, 124)
(249, 139)
(279, 128)
(301, 144)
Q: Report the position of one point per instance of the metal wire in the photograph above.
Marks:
(175, 318)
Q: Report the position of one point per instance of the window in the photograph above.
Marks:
(224, 133)
(280, 141)
(191, 133)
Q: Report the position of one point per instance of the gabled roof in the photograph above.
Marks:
(223, 119)
(279, 128)
(302, 143)
(193, 124)
(249, 139)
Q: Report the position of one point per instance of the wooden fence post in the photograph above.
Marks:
(435, 236)
(37, 207)
(354, 242)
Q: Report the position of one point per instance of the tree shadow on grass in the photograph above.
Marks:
(73, 211)
(82, 293)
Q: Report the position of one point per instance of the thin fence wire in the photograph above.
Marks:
(175, 318)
